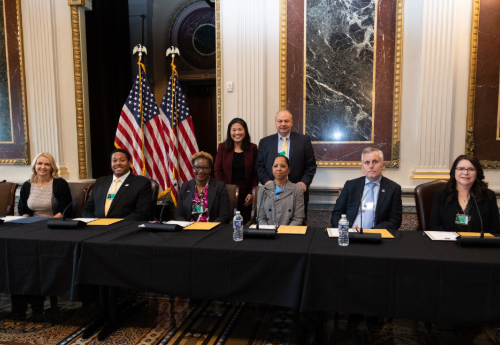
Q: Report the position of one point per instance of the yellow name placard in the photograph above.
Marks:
(105, 221)
(291, 229)
(202, 226)
(474, 234)
(383, 232)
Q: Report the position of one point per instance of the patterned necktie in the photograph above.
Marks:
(368, 215)
(109, 200)
(284, 147)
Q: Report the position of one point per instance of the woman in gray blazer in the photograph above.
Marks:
(280, 202)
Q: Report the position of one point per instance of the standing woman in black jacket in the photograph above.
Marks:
(466, 201)
(45, 194)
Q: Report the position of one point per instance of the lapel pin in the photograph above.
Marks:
(126, 185)
(383, 190)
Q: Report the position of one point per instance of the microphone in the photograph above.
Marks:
(361, 211)
(479, 213)
(63, 224)
(360, 237)
(468, 241)
(258, 208)
(161, 212)
(257, 232)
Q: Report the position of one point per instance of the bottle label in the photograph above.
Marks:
(237, 223)
(343, 227)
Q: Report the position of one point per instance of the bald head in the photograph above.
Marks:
(284, 122)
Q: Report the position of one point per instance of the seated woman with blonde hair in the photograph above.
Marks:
(280, 202)
(203, 199)
(45, 194)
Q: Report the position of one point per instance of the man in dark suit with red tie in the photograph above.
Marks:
(297, 147)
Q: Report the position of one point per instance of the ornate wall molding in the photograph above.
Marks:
(283, 43)
(80, 117)
(219, 73)
(471, 93)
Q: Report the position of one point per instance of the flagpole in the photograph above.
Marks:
(141, 50)
(172, 51)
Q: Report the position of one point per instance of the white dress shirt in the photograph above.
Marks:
(122, 179)
(280, 144)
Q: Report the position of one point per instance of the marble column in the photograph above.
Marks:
(41, 62)
(441, 44)
(250, 39)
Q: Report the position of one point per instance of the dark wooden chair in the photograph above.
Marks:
(424, 196)
(7, 198)
(80, 190)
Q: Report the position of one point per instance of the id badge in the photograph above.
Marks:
(110, 196)
(368, 205)
(462, 219)
(199, 209)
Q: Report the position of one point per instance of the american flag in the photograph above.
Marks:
(148, 158)
(181, 140)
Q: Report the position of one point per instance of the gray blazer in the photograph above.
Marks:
(288, 209)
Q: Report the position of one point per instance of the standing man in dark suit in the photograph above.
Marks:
(297, 147)
(121, 195)
(382, 206)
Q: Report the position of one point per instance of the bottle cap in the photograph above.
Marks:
(343, 216)
(237, 212)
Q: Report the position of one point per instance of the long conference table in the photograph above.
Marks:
(409, 276)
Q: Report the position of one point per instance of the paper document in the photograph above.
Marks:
(269, 227)
(182, 224)
(11, 218)
(334, 232)
(201, 226)
(105, 221)
(442, 235)
(86, 220)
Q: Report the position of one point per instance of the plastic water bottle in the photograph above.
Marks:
(238, 227)
(343, 231)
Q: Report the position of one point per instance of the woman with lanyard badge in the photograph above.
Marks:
(466, 201)
(203, 199)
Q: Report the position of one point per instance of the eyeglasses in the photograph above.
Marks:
(204, 168)
(471, 170)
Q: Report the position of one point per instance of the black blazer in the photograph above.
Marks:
(389, 211)
(218, 201)
(60, 190)
(302, 160)
(443, 214)
(132, 202)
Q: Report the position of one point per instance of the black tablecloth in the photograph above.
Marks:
(406, 277)
(36, 260)
(136, 258)
(267, 271)
(199, 264)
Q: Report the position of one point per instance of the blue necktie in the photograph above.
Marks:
(368, 215)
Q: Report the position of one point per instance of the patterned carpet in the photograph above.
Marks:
(168, 321)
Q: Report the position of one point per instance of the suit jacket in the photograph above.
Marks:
(218, 201)
(443, 214)
(132, 201)
(302, 160)
(389, 211)
(288, 209)
(224, 166)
